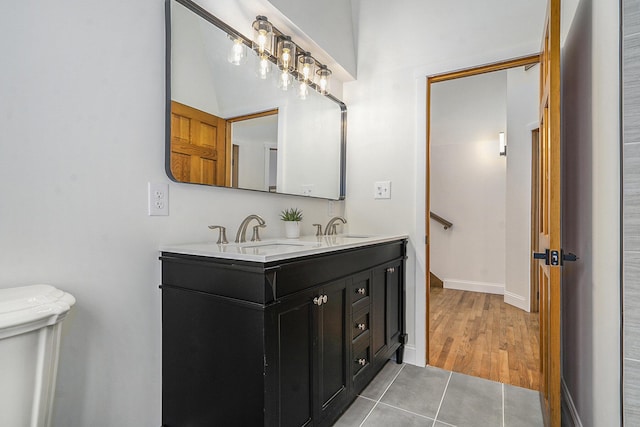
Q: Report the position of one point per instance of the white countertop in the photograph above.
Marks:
(279, 249)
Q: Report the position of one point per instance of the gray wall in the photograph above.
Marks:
(591, 286)
(577, 221)
(631, 208)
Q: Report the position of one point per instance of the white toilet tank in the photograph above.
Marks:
(30, 322)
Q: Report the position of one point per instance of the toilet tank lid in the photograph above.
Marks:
(32, 307)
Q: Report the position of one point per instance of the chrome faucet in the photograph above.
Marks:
(331, 227)
(241, 235)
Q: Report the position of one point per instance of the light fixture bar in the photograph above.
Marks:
(279, 36)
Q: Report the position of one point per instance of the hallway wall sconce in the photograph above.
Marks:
(272, 47)
(503, 144)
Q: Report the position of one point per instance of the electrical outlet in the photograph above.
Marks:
(382, 190)
(158, 199)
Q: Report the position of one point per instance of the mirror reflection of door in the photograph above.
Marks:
(253, 161)
(198, 146)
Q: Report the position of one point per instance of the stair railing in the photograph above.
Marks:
(446, 224)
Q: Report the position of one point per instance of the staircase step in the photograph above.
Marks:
(435, 281)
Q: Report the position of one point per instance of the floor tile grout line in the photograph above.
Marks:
(407, 411)
(435, 419)
(382, 395)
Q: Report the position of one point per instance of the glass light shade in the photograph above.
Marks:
(262, 35)
(285, 80)
(263, 66)
(323, 76)
(503, 144)
(303, 90)
(286, 54)
(237, 53)
(306, 67)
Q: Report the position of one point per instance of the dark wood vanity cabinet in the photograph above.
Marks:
(284, 343)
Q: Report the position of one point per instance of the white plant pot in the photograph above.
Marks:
(292, 229)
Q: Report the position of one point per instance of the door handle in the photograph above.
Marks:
(554, 257)
(569, 257)
(542, 255)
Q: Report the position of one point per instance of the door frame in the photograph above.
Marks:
(441, 77)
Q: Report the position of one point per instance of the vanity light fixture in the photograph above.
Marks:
(262, 36)
(503, 144)
(273, 47)
(306, 67)
(323, 77)
(286, 53)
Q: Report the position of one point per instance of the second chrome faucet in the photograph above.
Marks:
(241, 235)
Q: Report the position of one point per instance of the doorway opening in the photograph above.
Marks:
(481, 321)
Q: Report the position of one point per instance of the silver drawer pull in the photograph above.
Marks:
(362, 362)
(361, 291)
(362, 326)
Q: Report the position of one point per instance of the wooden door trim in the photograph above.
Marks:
(535, 291)
(441, 77)
(229, 143)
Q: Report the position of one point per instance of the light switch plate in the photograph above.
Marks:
(158, 199)
(382, 190)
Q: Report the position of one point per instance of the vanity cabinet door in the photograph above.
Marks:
(332, 353)
(386, 311)
(294, 326)
(311, 354)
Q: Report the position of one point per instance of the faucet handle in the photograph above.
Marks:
(318, 229)
(255, 237)
(222, 236)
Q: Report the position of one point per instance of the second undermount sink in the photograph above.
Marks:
(274, 247)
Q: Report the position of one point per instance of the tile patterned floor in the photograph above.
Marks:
(408, 396)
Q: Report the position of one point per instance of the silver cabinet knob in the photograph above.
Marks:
(320, 299)
(391, 270)
(362, 362)
(361, 291)
(362, 326)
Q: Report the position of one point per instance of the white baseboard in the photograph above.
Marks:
(567, 402)
(465, 285)
(409, 355)
(516, 300)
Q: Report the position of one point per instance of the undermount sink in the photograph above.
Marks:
(277, 244)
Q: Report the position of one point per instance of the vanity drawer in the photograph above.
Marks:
(361, 361)
(360, 325)
(360, 288)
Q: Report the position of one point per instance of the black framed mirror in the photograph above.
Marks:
(226, 126)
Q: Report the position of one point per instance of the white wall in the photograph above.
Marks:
(468, 182)
(522, 118)
(82, 119)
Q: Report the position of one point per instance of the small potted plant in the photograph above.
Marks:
(291, 218)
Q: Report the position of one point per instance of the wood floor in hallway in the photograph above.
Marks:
(479, 334)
